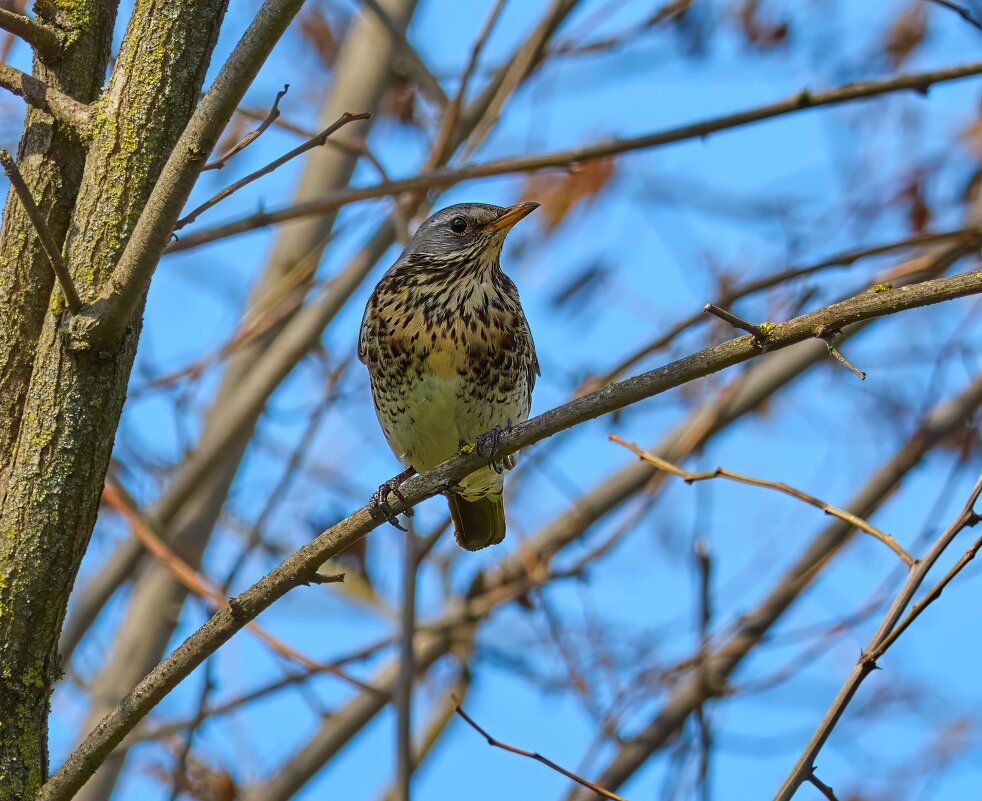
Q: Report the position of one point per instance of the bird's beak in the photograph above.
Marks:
(511, 216)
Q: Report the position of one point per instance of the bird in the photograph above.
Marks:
(451, 359)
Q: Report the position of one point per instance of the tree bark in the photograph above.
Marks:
(72, 404)
(50, 158)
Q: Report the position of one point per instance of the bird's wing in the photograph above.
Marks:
(532, 361)
(366, 334)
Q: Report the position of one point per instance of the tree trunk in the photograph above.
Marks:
(73, 401)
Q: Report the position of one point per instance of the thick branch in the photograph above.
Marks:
(48, 244)
(919, 81)
(43, 97)
(45, 41)
(296, 569)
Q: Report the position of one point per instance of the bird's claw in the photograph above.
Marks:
(379, 504)
(487, 445)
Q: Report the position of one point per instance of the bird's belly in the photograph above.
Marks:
(436, 412)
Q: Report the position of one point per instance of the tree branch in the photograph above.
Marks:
(962, 12)
(59, 105)
(296, 569)
(442, 178)
(780, 486)
(48, 244)
(252, 136)
(103, 322)
(45, 41)
(877, 646)
(310, 144)
(537, 757)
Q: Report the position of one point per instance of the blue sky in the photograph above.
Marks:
(652, 229)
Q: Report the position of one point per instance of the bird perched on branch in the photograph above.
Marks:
(451, 359)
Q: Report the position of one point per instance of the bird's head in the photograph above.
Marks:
(467, 233)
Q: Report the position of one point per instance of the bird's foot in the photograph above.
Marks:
(379, 504)
(487, 445)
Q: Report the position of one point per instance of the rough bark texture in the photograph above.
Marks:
(51, 159)
(61, 451)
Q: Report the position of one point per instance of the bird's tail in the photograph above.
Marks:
(477, 524)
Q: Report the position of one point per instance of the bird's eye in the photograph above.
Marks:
(458, 225)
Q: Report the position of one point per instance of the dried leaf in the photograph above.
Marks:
(560, 194)
(760, 31)
(316, 30)
(399, 100)
(917, 210)
(906, 33)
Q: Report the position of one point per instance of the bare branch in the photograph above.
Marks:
(413, 63)
(821, 786)
(877, 646)
(442, 178)
(297, 568)
(537, 757)
(45, 41)
(737, 322)
(971, 236)
(310, 144)
(780, 486)
(43, 97)
(935, 592)
(829, 338)
(961, 11)
(252, 136)
(51, 249)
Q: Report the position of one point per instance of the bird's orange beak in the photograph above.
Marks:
(511, 216)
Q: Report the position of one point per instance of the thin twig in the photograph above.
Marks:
(252, 136)
(934, 593)
(829, 337)
(844, 259)
(964, 13)
(822, 787)
(452, 114)
(446, 177)
(877, 646)
(48, 244)
(45, 41)
(780, 486)
(310, 144)
(43, 97)
(412, 62)
(737, 322)
(537, 757)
